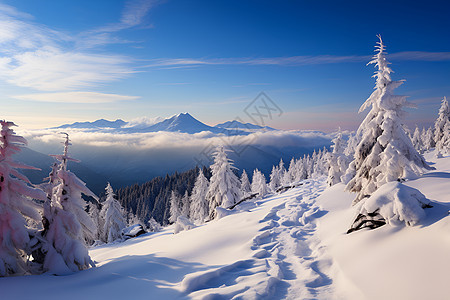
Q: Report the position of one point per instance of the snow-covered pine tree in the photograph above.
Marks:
(94, 214)
(337, 161)
(300, 173)
(186, 205)
(444, 143)
(69, 224)
(417, 140)
(175, 207)
(224, 188)
(385, 152)
(275, 180)
(246, 189)
(199, 205)
(112, 215)
(290, 177)
(259, 185)
(428, 140)
(442, 119)
(15, 205)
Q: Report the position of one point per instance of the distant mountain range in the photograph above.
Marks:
(183, 122)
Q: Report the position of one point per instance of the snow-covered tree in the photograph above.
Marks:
(290, 174)
(385, 152)
(94, 214)
(112, 215)
(443, 145)
(275, 180)
(337, 161)
(417, 140)
(224, 189)
(442, 119)
(15, 205)
(69, 224)
(199, 205)
(259, 185)
(245, 185)
(428, 139)
(186, 205)
(175, 207)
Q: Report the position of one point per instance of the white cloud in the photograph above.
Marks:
(296, 60)
(75, 97)
(38, 57)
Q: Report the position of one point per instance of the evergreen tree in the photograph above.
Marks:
(112, 215)
(175, 207)
(442, 119)
(417, 140)
(259, 185)
(245, 185)
(428, 140)
(337, 161)
(94, 214)
(443, 146)
(275, 180)
(15, 205)
(385, 152)
(199, 205)
(224, 188)
(186, 205)
(69, 224)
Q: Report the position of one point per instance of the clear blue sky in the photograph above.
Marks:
(64, 61)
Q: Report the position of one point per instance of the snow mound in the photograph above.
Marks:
(397, 204)
(182, 224)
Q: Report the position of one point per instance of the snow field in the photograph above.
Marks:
(288, 246)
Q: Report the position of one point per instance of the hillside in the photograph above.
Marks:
(287, 246)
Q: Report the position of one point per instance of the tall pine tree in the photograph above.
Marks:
(385, 152)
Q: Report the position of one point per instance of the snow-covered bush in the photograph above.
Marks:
(182, 224)
(15, 205)
(153, 225)
(112, 215)
(394, 203)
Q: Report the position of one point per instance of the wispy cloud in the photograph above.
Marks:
(75, 97)
(133, 15)
(280, 61)
(38, 57)
(296, 60)
(420, 56)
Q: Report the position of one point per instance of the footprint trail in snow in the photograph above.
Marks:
(289, 261)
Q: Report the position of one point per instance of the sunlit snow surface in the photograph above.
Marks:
(288, 246)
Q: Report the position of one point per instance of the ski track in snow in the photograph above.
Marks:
(289, 261)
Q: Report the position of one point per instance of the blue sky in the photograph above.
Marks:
(63, 61)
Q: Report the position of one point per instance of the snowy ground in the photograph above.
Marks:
(288, 246)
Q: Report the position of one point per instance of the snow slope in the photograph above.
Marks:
(287, 246)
